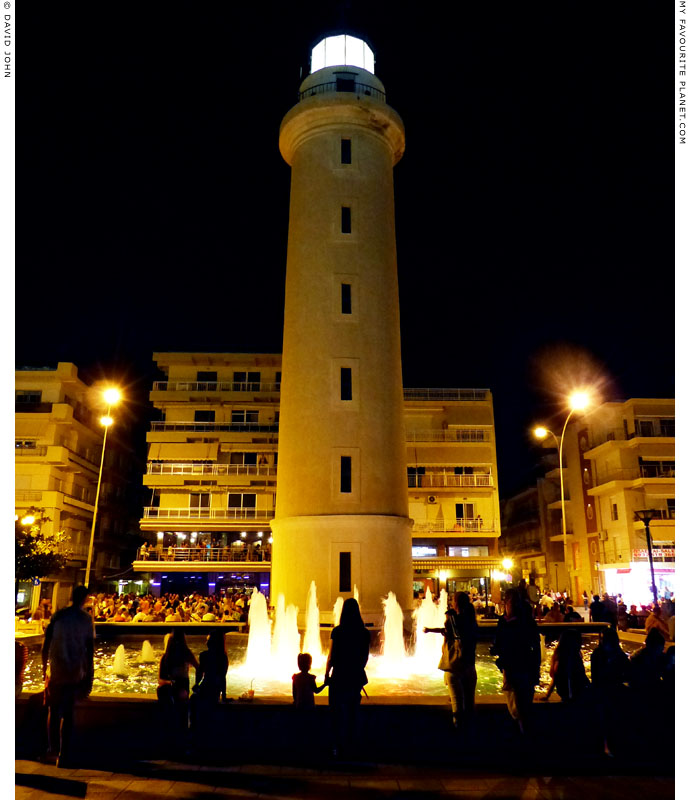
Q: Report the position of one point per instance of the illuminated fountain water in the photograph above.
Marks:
(286, 640)
(337, 610)
(312, 634)
(258, 658)
(147, 656)
(120, 667)
(427, 645)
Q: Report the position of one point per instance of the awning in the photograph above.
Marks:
(183, 451)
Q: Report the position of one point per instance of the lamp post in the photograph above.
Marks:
(578, 401)
(646, 515)
(111, 397)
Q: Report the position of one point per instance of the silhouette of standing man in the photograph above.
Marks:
(68, 670)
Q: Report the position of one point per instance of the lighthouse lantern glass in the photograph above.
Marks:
(335, 51)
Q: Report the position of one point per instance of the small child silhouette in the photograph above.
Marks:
(304, 684)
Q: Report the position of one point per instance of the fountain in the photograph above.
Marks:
(427, 650)
(312, 634)
(285, 641)
(258, 657)
(120, 667)
(147, 656)
(337, 610)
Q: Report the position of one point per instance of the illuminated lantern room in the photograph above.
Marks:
(337, 51)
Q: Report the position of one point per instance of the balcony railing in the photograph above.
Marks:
(634, 473)
(621, 435)
(31, 451)
(234, 427)
(28, 497)
(450, 480)
(475, 525)
(445, 394)
(229, 554)
(214, 386)
(332, 86)
(210, 469)
(452, 435)
(154, 512)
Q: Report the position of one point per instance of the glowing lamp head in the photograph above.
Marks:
(106, 422)
(579, 401)
(507, 563)
(337, 51)
(244, 534)
(541, 433)
(111, 396)
(29, 519)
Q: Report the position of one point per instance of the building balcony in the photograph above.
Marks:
(213, 427)
(240, 514)
(445, 395)
(173, 468)
(634, 473)
(468, 435)
(443, 480)
(353, 87)
(458, 527)
(23, 452)
(656, 430)
(216, 387)
(482, 564)
(213, 559)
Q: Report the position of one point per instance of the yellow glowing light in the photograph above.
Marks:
(579, 401)
(29, 519)
(106, 422)
(260, 534)
(160, 534)
(443, 576)
(270, 540)
(112, 396)
(507, 563)
(244, 534)
(540, 432)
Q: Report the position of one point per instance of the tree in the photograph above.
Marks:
(37, 552)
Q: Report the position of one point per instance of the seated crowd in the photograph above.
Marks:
(171, 607)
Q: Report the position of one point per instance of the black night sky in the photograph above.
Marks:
(534, 202)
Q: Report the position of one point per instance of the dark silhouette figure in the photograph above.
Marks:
(68, 669)
(649, 696)
(210, 684)
(647, 664)
(610, 670)
(345, 675)
(597, 612)
(304, 684)
(461, 623)
(173, 685)
(571, 615)
(568, 675)
(518, 651)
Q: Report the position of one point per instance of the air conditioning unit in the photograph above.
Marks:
(431, 498)
(603, 536)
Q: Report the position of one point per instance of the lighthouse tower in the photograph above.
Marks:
(341, 508)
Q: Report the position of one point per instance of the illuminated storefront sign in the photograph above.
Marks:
(660, 553)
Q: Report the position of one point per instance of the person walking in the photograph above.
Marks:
(345, 673)
(460, 677)
(68, 672)
(518, 651)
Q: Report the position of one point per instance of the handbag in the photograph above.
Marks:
(451, 654)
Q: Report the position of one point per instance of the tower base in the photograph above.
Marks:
(316, 548)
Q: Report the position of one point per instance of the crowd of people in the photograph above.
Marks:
(643, 683)
(170, 607)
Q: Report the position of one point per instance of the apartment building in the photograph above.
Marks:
(622, 460)
(58, 446)
(212, 470)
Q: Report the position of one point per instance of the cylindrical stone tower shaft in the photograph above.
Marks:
(342, 509)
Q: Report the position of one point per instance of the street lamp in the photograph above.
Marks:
(111, 397)
(646, 515)
(578, 401)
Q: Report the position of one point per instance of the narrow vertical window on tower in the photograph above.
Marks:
(345, 383)
(346, 298)
(346, 151)
(345, 474)
(346, 219)
(345, 573)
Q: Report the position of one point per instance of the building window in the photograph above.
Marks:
(246, 381)
(243, 458)
(30, 395)
(279, 378)
(671, 507)
(200, 504)
(614, 511)
(345, 474)
(346, 151)
(346, 219)
(345, 84)
(201, 415)
(346, 298)
(345, 573)
(207, 377)
(668, 427)
(244, 505)
(345, 383)
(414, 477)
(244, 416)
